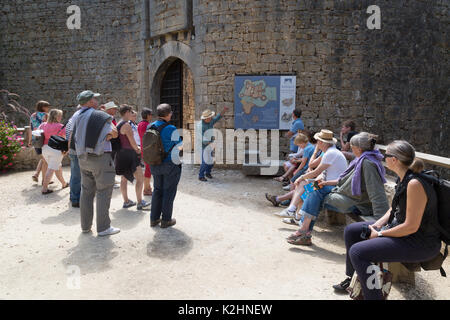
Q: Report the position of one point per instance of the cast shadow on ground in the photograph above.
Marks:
(318, 252)
(421, 291)
(69, 217)
(92, 254)
(126, 219)
(169, 244)
(33, 195)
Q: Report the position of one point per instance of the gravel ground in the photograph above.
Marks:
(227, 244)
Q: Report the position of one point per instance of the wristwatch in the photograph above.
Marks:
(380, 234)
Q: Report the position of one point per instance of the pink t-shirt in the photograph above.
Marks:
(51, 129)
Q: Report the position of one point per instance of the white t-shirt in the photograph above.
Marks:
(336, 160)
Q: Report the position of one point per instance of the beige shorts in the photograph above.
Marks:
(52, 157)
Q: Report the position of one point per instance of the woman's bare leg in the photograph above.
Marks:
(124, 189)
(138, 174)
(59, 175)
(47, 178)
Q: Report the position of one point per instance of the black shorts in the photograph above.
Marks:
(38, 151)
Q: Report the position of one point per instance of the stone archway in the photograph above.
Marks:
(165, 57)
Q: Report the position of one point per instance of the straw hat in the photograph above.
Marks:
(111, 105)
(325, 136)
(207, 114)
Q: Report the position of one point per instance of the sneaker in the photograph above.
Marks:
(343, 286)
(292, 221)
(143, 204)
(167, 224)
(86, 231)
(202, 179)
(287, 214)
(109, 232)
(287, 188)
(116, 186)
(209, 176)
(272, 199)
(75, 204)
(128, 204)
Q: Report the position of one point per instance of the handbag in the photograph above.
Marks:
(58, 143)
(384, 278)
(37, 139)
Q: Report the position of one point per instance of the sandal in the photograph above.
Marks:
(148, 193)
(35, 179)
(303, 240)
(65, 186)
(47, 192)
(294, 236)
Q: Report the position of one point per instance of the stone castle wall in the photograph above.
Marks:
(392, 82)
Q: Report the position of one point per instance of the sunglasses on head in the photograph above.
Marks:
(387, 155)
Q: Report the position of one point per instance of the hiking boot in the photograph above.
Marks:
(202, 179)
(154, 223)
(272, 199)
(343, 286)
(167, 224)
(209, 176)
(143, 204)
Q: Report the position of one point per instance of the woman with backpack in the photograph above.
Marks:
(128, 162)
(406, 233)
(53, 157)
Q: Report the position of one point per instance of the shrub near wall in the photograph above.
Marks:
(10, 145)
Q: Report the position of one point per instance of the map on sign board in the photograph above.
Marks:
(264, 102)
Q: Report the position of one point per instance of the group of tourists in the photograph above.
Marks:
(318, 175)
(100, 148)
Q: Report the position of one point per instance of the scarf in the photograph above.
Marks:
(375, 156)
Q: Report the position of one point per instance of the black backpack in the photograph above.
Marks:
(57, 142)
(442, 189)
(152, 146)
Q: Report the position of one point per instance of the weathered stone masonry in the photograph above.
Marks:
(393, 82)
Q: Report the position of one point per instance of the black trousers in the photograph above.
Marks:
(166, 177)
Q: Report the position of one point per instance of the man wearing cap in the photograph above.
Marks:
(209, 119)
(90, 138)
(332, 165)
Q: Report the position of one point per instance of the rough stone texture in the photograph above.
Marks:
(393, 82)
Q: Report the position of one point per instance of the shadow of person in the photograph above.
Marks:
(92, 254)
(421, 291)
(33, 195)
(169, 244)
(315, 251)
(127, 218)
(70, 217)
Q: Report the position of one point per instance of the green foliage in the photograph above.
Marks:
(10, 145)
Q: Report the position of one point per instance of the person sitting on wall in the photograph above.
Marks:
(333, 164)
(209, 119)
(406, 233)
(361, 187)
(297, 124)
(347, 130)
(312, 163)
(291, 164)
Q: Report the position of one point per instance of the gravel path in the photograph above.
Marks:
(227, 244)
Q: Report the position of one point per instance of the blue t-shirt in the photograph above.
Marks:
(307, 153)
(169, 136)
(296, 125)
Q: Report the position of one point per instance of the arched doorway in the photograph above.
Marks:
(172, 91)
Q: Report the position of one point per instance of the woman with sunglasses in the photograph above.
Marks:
(405, 233)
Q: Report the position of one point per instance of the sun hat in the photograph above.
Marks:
(111, 105)
(207, 114)
(86, 96)
(325, 136)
